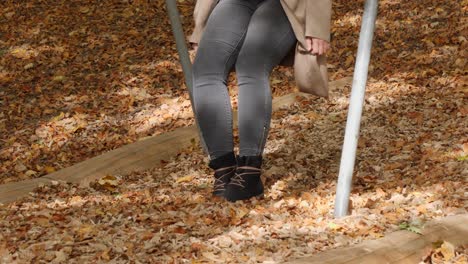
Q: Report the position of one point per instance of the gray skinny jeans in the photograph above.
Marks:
(255, 35)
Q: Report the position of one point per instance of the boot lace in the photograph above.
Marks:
(238, 180)
(219, 183)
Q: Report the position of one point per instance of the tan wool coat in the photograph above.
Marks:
(308, 18)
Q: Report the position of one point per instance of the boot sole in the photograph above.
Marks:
(258, 196)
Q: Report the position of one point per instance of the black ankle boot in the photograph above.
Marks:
(246, 182)
(225, 167)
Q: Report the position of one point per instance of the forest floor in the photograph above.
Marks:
(79, 79)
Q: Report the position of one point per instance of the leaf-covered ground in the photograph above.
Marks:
(81, 78)
(404, 178)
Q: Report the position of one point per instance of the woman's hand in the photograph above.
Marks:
(193, 52)
(317, 46)
(195, 47)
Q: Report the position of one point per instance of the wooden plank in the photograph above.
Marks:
(143, 154)
(398, 247)
(14, 190)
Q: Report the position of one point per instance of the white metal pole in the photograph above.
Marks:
(348, 154)
(179, 36)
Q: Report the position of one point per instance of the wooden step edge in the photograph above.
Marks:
(397, 247)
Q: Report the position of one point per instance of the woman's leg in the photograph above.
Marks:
(217, 52)
(268, 40)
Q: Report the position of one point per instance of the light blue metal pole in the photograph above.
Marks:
(179, 36)
(348, 155)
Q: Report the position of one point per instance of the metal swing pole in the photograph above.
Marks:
(348, 155)
(179, 36)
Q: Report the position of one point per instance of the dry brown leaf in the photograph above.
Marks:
(185, 179)
(448, 250)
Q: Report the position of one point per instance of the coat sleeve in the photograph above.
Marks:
(201, 13)
(318, 19)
